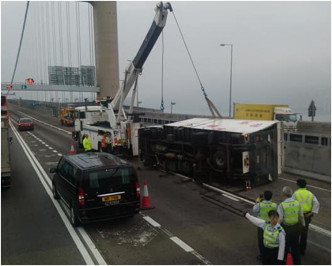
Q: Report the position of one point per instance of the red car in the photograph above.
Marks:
(25, 124)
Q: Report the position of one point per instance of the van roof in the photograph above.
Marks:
(93, 160)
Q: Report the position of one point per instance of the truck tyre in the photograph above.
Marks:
(219, 159)
(55, 192)
(73, 217)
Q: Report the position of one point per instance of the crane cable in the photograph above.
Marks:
(212, 107)
(22, 34)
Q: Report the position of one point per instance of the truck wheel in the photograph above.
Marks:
(55, 192)
(73, 217)
(219, 159)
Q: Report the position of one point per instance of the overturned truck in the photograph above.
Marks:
(215, 150)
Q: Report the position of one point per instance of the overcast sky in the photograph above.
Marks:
(281, 52)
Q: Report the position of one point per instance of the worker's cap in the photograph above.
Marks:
(301, 183)
(287, 191)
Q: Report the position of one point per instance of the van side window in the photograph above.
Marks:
(67, 172)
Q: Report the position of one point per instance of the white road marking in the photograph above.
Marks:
(320, 230)
(59, 154)
(46, 182)
(181, 244)
(324, 189)
(151, 221)
(230, 197)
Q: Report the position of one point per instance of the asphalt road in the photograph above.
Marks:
(184, 227)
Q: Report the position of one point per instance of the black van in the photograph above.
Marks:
(96, 187)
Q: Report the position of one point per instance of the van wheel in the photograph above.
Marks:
(73, 217)
(55, 192)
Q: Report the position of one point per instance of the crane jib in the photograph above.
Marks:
(147, 45)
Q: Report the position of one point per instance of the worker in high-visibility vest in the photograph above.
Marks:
(310, 206)
(273, 251)
(87, 143)
(291, 217)
(261, 208)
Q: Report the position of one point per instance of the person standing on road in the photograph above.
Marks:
(290, 218)
(104, 143)
(262, 207)
(310, 205)
(273, 251)
(87, 144)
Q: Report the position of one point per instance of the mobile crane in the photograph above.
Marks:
(111, 117)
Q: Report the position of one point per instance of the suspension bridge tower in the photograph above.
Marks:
(106, 47)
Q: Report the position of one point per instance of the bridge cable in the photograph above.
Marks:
(48, 38)
(53, 34)
(162, 72)
(36, 49)
(43, 39)
(60, 32)
(89, 26)
(68, 34)
(212, 108)
(78, 37)
(19, 48)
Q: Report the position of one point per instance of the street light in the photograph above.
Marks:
(172, 103)
(230, 79)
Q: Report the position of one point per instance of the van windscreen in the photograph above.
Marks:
(115, 177)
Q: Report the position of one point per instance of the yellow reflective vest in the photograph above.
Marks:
(291, 212)
(87, 144)
(271, 236)
(305, 197)
(264, 208)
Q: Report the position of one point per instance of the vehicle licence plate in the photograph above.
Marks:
(111, 198)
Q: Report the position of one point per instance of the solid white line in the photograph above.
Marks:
(41, 172)
(320, 230)
(151, 221)
(230, 197)
(227, 193)
(324, 189)
(181, 244)
(92, 246)
(319, 246)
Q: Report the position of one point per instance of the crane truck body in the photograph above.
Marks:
(112, 118)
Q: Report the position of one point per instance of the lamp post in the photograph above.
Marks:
(172, 103)
(230, 79)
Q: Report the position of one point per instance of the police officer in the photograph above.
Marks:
(310, 205)
(290, 218)
(87, 144)
(262, 207)
(273, 251)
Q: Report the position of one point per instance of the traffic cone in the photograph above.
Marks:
(289, 260)
(72, 150)
(146, 204)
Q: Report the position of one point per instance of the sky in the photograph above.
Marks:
(281, 51)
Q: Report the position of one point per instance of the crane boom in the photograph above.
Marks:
(135, 67)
